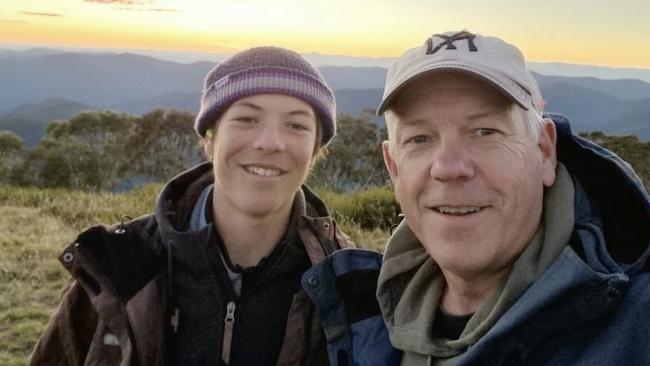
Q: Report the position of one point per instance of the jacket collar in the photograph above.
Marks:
(567, 296)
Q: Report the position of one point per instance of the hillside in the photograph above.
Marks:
(592, 110)
(30, 120)
(189, 101)
(595, 71)
(95, 79)
(626, 89)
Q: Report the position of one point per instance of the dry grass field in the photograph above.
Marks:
(35, 226)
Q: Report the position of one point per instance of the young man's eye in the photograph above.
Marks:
(298, 126)
(245, 119)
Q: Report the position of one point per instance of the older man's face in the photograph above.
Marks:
(468, 172)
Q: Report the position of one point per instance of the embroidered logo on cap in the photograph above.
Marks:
(449, 42)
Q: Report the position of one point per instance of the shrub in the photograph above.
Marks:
(80, 209)
(374, 208)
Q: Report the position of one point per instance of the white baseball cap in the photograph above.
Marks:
(493, 60)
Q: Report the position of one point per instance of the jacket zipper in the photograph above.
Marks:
(228, 322)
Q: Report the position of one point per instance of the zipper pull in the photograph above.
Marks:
(174, 320)
(228, 324)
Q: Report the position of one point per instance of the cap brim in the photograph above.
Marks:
(515, 92)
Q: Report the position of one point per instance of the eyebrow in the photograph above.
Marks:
(247, 104)
(485, 113)
(413, 122)
(301, 112)
(479, 115)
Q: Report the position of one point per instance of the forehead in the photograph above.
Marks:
(442, 89)
(279, 103)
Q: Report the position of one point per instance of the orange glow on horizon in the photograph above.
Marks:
(333, 27)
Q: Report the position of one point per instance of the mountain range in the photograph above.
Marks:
(42, 85)
(320, 60)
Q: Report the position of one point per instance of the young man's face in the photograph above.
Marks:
(468, 172)
(262, 152)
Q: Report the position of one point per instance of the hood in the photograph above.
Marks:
(122, 259)
(177, 199)
(610, 198)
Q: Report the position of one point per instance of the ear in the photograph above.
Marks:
(208, 146)
(391, 165)
(312, 162)
(546, 143)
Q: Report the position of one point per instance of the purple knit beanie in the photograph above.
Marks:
(265, 70)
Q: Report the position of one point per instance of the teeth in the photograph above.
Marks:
(263, 172)
(457, 210)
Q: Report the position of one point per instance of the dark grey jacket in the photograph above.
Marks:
(119, 308)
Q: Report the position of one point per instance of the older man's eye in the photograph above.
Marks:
(419, 139)
(484, 132)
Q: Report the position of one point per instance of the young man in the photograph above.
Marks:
(235, 266)
(522, 243)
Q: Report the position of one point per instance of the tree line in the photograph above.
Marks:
(629, 148)
(108, 151)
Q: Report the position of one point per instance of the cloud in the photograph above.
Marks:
(163, 10)
(13, 21)
(134, 5)
(166, 10)
(41, 14)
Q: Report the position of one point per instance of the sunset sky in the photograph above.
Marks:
(600, 32)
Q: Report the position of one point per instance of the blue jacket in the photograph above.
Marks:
(342, 288)
(590, 307)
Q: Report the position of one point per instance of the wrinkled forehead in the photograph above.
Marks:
(443, 88)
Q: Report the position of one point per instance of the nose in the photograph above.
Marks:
(269, 138)
(451, 161)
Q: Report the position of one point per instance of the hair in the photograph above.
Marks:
(535, 121)
(320, 150)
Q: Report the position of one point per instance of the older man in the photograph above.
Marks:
(522, 243)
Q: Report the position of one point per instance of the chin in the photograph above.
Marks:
(258, 207)
(461, 255)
